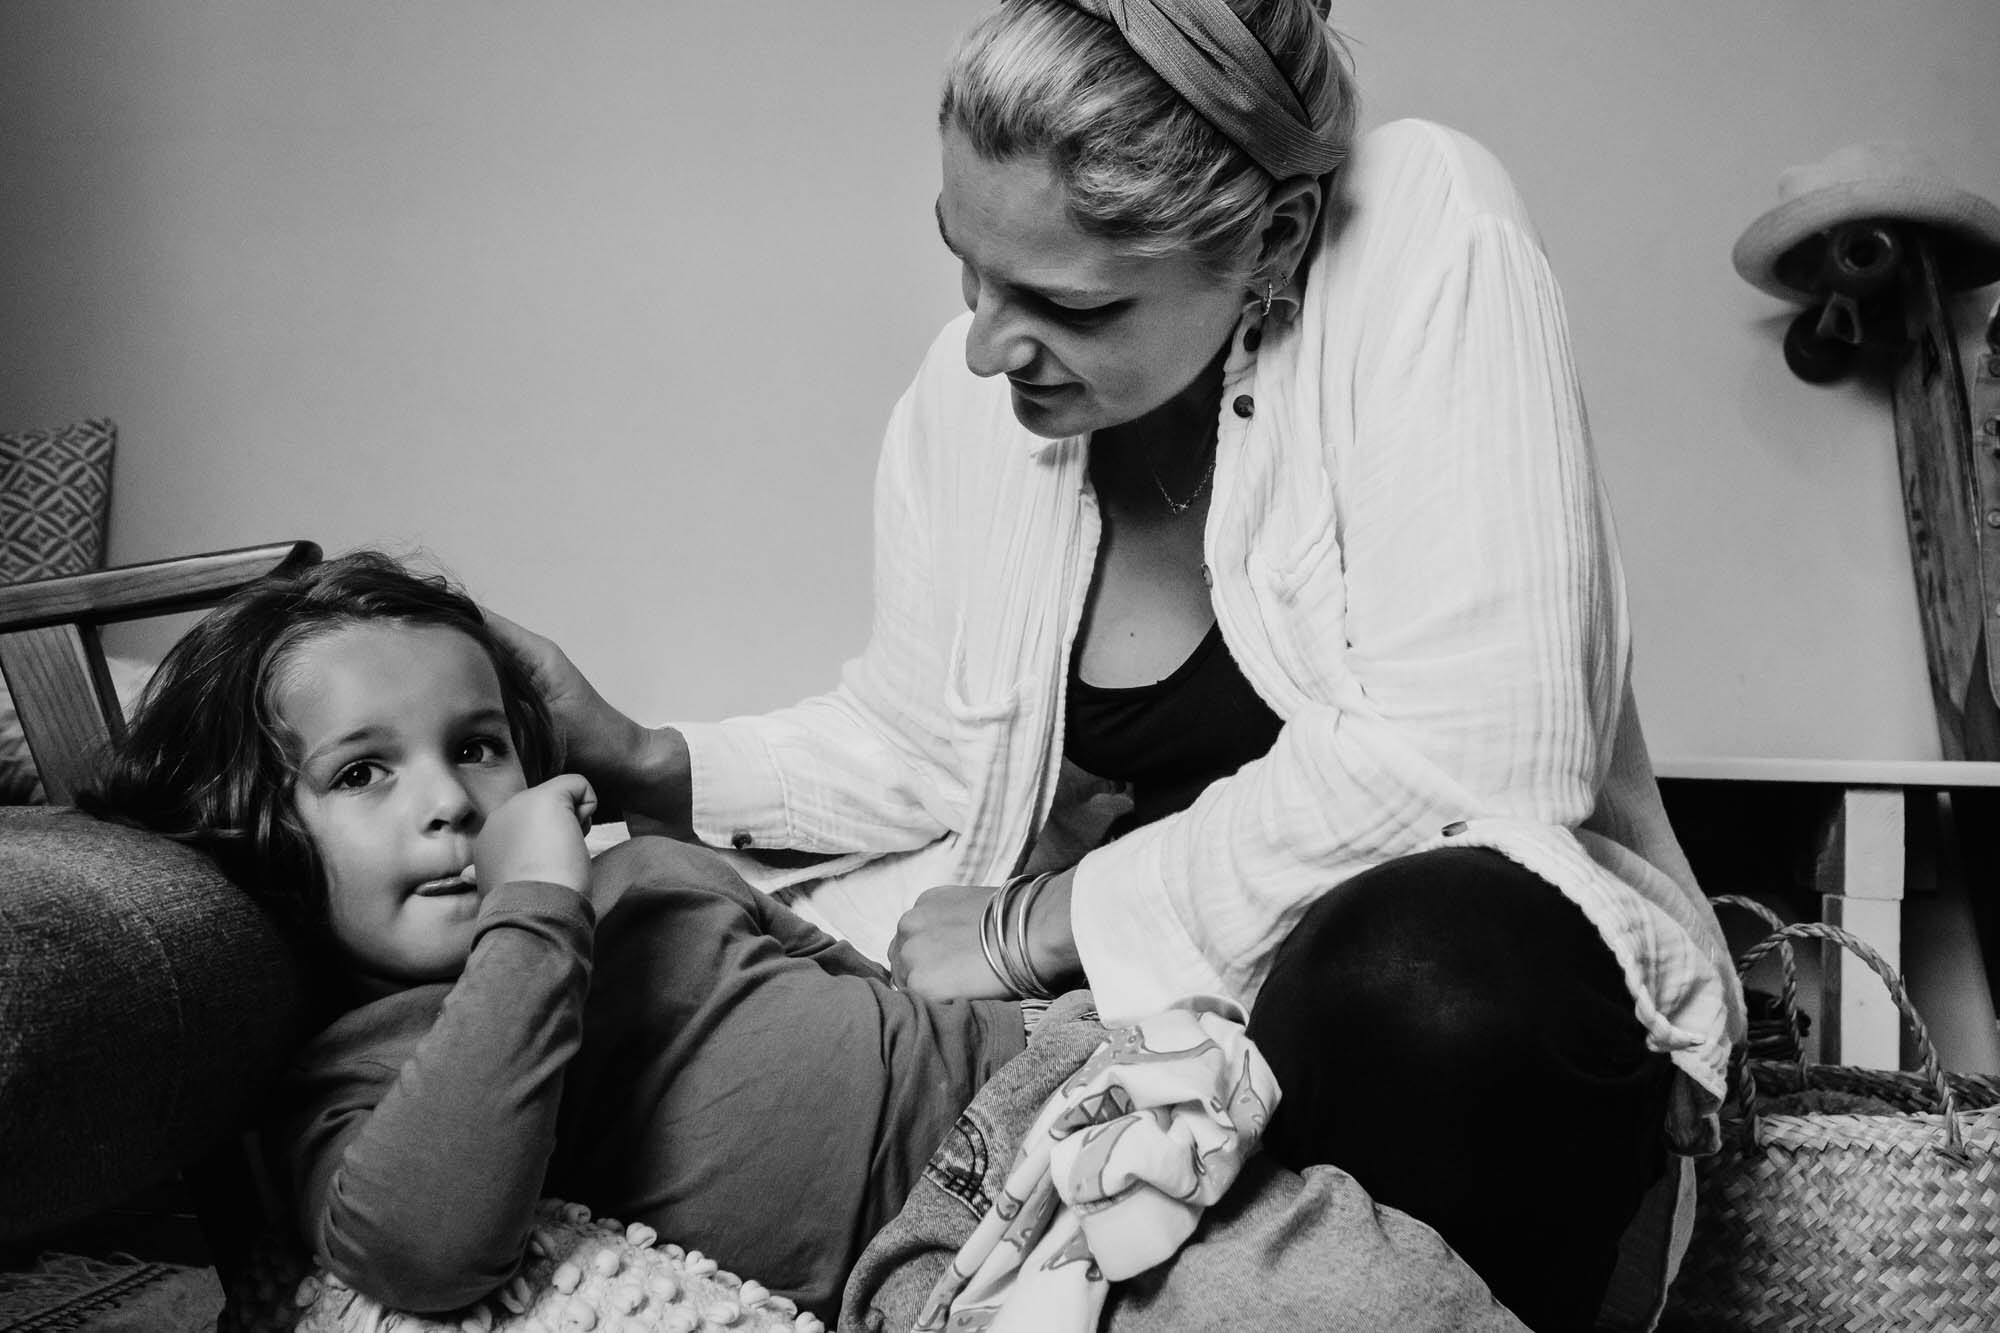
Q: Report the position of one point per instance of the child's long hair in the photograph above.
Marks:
(206, 759)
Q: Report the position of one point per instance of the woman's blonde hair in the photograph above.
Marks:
(1139, 165)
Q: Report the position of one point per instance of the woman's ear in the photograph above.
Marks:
(1291, 215)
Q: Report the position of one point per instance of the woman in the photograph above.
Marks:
(1242, 572)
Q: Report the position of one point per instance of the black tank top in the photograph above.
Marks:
(1172, 738)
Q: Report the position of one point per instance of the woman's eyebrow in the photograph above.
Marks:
(1090, 296)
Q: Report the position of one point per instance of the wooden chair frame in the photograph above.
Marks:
(53, 661)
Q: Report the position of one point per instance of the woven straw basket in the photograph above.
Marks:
(1819, 1221)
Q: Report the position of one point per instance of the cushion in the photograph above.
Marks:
(19, 784)
(145, 1001)
(581, 1273)
(55, 500)
(55, 507)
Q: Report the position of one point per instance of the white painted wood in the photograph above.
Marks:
(1935, 773)
(1860, 1024)
(1859, 872)
(1860, 854)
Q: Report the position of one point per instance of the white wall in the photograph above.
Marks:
(1761, 516)
(604, 305)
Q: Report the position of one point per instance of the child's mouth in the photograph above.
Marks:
(446, 885)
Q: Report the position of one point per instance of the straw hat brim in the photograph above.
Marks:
(1966, 231)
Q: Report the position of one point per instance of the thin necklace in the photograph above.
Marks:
(1179, 507)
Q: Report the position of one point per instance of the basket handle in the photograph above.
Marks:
(1788, 968)
(1932, 1071)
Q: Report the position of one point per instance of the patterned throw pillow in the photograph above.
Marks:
(55, 505)
(55, 500)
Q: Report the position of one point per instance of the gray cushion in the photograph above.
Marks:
(145, 1003)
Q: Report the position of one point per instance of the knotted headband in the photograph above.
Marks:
(1203, 52)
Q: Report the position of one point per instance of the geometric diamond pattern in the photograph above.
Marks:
(55, 500)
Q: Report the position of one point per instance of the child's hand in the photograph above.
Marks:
(538, 834)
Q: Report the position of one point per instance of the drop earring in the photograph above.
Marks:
(1265, 313)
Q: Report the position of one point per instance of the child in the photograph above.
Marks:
(644, 1034)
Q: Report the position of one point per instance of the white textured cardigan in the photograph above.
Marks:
(1413, 564)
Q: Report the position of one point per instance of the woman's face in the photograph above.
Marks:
(1088, 337)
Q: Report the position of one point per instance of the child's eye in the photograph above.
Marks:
(482, 749)
(354, 777)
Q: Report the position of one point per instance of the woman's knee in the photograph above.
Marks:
(1457, 957)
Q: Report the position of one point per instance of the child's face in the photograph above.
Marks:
(403, 749)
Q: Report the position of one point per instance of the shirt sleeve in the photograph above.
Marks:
(1471, 664)
(418, 1184)
(867, 767)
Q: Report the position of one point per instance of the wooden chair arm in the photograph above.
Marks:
(157, 588)
(54, 663)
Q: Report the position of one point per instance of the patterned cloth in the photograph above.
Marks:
(55, 500)
(1114, 1174)
(55, 508)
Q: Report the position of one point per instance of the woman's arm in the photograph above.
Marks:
(1458, 641)
(418, 1172)
(862, 768)
(938, 951)
(869, 766)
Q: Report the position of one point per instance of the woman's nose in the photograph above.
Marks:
(997, 343)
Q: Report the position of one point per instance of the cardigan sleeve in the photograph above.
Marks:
(866, 767)
(1471, 661)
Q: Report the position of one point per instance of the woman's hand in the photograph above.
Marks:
(936, 951)
(642, 772)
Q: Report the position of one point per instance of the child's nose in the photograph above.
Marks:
(449, 806)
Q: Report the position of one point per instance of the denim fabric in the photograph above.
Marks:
(1282, 1249)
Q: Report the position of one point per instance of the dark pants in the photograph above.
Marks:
(1451, 1031)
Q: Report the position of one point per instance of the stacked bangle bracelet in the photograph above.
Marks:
(1003, 935)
